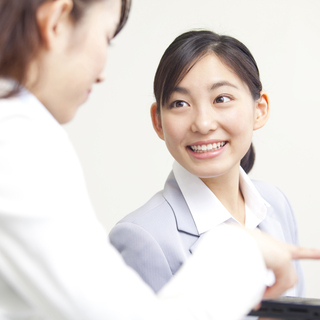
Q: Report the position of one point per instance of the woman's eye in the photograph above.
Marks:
(178, 104)
(222, 99)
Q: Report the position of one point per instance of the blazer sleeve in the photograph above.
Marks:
(142, 252)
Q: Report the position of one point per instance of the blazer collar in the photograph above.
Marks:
(174, 197)
(185, 222)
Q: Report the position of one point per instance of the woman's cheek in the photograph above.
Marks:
(173, 133)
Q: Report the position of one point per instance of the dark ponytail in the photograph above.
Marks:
(247, 161)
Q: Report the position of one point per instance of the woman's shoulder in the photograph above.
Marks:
(273, 195)
(155, 209)
(35, 149)
(12, 107)
(27, 112)
(268, 190)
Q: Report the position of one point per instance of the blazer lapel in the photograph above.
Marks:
(181, 211)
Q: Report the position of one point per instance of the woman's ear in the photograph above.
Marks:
(262, 111)
(156, 121)
(51, 17)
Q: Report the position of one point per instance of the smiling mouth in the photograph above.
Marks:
(207, 147)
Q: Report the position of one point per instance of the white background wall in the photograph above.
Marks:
(124, 161)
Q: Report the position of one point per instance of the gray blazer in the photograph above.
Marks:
(157, 238)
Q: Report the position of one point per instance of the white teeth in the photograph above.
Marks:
(208, 147)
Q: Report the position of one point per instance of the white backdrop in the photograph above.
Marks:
(124, 161)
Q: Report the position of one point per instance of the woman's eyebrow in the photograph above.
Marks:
(213, 87)
(222, 84)
(181, 90)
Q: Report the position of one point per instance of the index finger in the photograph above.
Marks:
(303, 253)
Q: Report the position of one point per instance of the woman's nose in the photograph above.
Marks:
(205, 120)
(101, 77)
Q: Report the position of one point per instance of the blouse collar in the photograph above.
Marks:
(206, 209)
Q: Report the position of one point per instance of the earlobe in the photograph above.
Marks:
(262, 111)
(156, 121)
(50, 16)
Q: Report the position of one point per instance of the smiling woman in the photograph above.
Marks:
(187, 49)
(208, 119)
(209, 100)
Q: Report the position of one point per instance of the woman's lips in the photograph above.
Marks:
(207, 150)
(201, 148)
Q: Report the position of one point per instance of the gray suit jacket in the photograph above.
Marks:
(157, 238)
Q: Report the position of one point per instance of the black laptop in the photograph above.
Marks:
(289, 308)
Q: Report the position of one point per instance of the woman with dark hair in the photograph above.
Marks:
(209, 100)
(55, 260)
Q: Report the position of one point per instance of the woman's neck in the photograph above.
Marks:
(227, 189)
